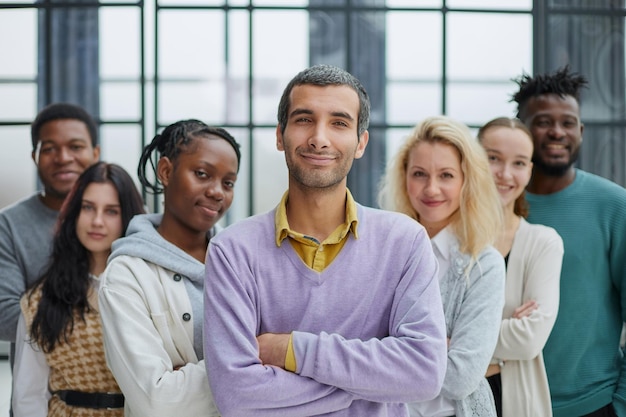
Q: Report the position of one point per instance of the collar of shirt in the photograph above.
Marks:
(350, 225)
(442, 242)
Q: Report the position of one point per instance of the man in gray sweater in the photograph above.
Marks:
(65, 143)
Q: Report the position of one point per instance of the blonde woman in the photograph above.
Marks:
(441, 178)
(533, 255)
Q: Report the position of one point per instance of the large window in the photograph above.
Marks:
(226, 63)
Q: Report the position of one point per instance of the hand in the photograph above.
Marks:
(525, 309)
(492, 370)
(273, 348)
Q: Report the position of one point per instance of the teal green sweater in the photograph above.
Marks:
(585, 366)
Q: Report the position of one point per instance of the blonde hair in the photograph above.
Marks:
(478, 221)
(520, 208)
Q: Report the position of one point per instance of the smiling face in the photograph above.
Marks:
(63, 152)
(557, 132)
(198, 185)
(434, 179)
(509, 152)
(100, 220)
(320, 140)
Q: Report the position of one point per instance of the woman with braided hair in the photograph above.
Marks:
(151, 292)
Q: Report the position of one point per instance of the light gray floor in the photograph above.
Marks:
(5, 388)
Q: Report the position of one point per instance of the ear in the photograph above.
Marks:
(360, 149)
(33, 155)
(582, 129)
(96, 154)
(164, 170)
(279, 139)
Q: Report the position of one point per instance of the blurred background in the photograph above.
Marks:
(140, 65)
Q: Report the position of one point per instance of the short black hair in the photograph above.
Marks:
(561, 82)
(323, 75)
(58, 111)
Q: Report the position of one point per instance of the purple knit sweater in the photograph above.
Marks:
(369, 331)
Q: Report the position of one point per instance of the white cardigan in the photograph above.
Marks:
(533, 273)
(145, 337)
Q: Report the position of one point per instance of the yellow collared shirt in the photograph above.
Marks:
(314, 254)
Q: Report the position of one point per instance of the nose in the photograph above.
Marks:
(504, 171)
(63, 155)
(432, 187)
(319, 138)
(557, 131)
(97, 218)
(215, 190)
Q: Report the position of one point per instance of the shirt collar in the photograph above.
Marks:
(443, 242)
(282, 225)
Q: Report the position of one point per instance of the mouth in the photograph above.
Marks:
(211, 211)
(96, 236)
(318, 159)
(66, 175)
(432, 203)
(504, 187)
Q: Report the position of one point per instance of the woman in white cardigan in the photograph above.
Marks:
(151, 292)
(533, 255)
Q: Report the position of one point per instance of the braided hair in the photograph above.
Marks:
(174, 139)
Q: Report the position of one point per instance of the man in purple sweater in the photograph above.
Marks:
(322, 305)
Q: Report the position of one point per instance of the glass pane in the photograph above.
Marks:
(275, 66)
(489, 46)
(275, 54)
(414, 3)
(187, 100)
(120, 101)
(197, 2)
(19, 102)
(120, 52)
(19, 53)
(407, 103)
(290, 3)
(18, 175)
(121, 144)
(421, 58)
(395, 139)
(491, 4)
(191, 44)
(270, 171)
(593, 46)
(237, 69)
(586, 4)
(240, 206)
(476, 104)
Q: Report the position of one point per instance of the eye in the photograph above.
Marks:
(86, 207)
(201, 174)
(418, 174)
(77, 148)
(542, 123)
(341, 123)
(46, 149)
(447, 175)
(520, 163)
(492, 158)
(229, 184)
(112, 212)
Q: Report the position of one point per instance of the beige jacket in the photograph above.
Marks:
(533, 273)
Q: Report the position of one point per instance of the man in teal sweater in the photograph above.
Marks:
(585, 365)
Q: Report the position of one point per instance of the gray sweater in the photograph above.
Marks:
(472, 302)
(26, 232)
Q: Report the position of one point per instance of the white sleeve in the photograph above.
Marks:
(30, 377)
